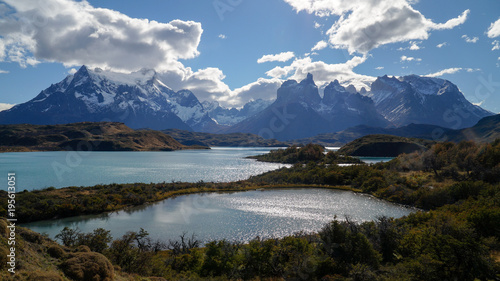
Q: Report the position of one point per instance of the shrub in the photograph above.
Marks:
(56, 251)
(88, 267)
(30, 235)
(45, 276)
(82, 249)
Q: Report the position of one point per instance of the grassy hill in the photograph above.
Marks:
(95, 136)
(384, 146)
(232, 140)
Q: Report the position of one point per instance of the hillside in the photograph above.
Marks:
(231, 140)
(421, 131)
(100, 136)
(384, 146)
(486, 130)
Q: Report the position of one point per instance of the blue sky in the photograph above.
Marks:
(213, 47)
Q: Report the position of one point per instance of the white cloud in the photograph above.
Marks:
(5, 106)
(494, 29)
(442, 45)
(317, 25)
(470, 40)
(281, 57)
(323, 72)
(76, 33)
(452, 71)
(414, 46)
(367, 24)
(405, 58)
(260, 89)
(222, 36)
(379, 68)
(496, 45)
(72, 71)
(319, 46)
(3, 71)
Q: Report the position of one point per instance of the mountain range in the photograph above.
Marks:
(142, 100)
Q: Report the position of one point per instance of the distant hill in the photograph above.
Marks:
(341, 138)
(384, 146)
(231, 140)
(486, 130)
(95, 136)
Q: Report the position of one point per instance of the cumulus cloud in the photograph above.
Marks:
(222, 36)
(452, 70)
(494, 29)
(442, 45)
(469, 39)
(405, 58)
(3, 71)
(323, 72)
(379, 68)
(414, 46)
(281, 57)
(319, 46)
(366, 24)
(76, 33)
(260, 89)
(496, 45)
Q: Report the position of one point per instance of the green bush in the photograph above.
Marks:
(56, 251)
(88, 267)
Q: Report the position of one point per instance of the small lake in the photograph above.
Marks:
(237, 216)
(36, 170)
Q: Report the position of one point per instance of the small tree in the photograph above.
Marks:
(68, 236)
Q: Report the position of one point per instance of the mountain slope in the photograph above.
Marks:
(230, 116)
(486, 130)
(424, 100)
(140, 100)
(299, 111)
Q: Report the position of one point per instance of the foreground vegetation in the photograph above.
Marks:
(457, 238)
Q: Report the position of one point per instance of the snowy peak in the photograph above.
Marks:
(423, 100)
(429, 85)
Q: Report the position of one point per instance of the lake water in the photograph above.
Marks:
(238, 216)
(36, 170)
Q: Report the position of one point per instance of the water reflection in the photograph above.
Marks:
(239, 216)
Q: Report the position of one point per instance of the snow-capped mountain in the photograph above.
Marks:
(424, 100)
(139, 99)
(340, 103)
(299, 112)
(230, 116)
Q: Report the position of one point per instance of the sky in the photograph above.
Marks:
(234, 51)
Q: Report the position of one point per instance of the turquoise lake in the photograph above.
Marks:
(36, 170)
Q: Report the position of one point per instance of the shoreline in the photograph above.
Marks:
(88, 191)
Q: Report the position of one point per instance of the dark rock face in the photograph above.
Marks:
(299, 112)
